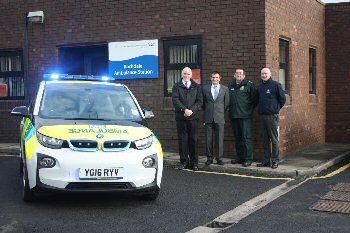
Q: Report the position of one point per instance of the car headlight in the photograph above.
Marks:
(144, 143)
(148, 162)
(50, 142)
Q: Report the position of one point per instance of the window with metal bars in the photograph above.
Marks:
(312, 71)
(284, 64)
(180, 53)
(11, 74)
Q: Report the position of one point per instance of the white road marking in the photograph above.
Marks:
(249, 207)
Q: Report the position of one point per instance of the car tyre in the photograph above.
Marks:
(28, 195)
(151, 196)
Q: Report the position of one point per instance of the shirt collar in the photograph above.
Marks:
(184, 82)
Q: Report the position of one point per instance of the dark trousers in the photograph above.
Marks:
(215, 130)
(270, 132)
(187, 136)
(243, 131)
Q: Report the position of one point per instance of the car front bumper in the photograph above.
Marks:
(64, 175)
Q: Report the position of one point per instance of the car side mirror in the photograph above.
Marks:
(20, 111)
(148, 114)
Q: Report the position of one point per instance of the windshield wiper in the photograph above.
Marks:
(84, 118)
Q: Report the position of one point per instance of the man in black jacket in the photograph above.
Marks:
(187, 100)
(271, 99)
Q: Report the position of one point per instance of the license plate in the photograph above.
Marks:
(99, 173)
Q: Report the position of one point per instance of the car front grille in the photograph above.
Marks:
(116, 145)
(83, 145)
(96, 186)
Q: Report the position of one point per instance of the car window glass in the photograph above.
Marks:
(91, 101)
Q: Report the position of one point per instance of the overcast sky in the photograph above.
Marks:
(333, 1)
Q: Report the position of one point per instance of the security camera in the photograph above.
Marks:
(35, 17)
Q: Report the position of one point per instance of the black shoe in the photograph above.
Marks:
(195, 168)
(263, 164)
(220, 162)
(274, 165)
(247, 163)
(236, 161)
(183, 166)
(209, 162)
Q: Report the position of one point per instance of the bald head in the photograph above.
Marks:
(186, 74)
(265, 74)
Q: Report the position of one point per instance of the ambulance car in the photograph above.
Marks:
(87, 134)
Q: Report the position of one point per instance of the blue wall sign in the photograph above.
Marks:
(133, 59)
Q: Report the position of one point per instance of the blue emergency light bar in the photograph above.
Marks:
(50, 77)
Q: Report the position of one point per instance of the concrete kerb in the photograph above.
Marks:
(9, 151)
(281, 172)
(306, 173)
(244, 171)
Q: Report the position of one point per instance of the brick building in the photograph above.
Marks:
(338, 72)
(287, 36)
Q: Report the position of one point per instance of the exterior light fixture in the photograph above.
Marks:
(35, 17)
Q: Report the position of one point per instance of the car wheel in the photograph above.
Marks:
(28, 195)
(151, 196)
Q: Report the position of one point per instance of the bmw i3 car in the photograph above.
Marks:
(84, 134)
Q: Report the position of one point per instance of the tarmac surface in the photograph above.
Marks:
(301, 164)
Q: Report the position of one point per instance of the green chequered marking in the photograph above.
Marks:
(29, 131)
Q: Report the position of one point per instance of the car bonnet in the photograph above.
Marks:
(96, 132)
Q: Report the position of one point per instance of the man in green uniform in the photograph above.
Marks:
(243, 99)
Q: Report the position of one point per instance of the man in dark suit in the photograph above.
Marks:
(216, 101)
(187, 100)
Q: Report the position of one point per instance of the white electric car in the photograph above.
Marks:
(85, 134)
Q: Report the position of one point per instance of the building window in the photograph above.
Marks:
(284, 64)
(178, 54)
(11, 74)
(88, 60)
(312, 71)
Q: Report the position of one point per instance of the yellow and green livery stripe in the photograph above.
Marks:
(31, 143)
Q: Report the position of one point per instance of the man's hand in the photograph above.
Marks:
(188, 113)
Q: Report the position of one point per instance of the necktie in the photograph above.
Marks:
(216, 92)
(187, 84)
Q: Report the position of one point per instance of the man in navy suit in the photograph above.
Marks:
(215, 102)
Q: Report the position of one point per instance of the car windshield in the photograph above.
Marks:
(98, 101)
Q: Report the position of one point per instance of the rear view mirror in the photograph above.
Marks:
(20, 111)
(148, 114)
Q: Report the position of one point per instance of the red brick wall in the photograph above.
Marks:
(302, 23)
(233, 36)
(338, 72)
(12, 27)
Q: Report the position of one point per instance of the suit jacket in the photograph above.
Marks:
(187, 98)
(214, 110)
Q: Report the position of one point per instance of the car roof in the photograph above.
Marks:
(83, 82)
